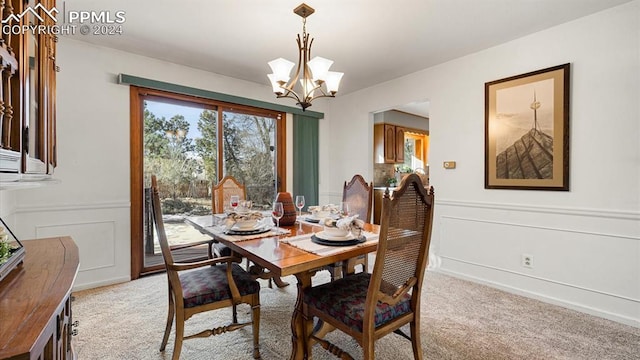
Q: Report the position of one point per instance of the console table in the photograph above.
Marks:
(35, 302)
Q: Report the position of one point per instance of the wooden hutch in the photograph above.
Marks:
(35, 302)
(28, 95)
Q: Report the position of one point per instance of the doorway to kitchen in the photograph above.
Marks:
(400, 147)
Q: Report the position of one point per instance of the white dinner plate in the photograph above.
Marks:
(256, 226)
(258, 230)
(324, 236)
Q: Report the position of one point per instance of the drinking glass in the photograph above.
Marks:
(235, 199)
(277, 213)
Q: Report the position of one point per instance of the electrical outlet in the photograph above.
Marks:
(527, 261)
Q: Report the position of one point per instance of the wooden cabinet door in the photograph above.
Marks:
(389, 144)
(27, 95)
(399, 144)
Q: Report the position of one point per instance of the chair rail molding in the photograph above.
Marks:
(599, 213)
(73, 207)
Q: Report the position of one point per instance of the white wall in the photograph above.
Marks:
(7, 207)
(585, 242)
(92, 202)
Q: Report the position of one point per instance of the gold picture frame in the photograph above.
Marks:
(527, 131)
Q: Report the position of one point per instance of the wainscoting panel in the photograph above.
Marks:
(98, 240)
(101, 231)
(581, 259)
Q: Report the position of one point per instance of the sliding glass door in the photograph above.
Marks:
(249, 145)
(171, 135)
(189, 144)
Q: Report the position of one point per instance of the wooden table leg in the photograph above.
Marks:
(298, 351)
(260, 272)
(279, 282)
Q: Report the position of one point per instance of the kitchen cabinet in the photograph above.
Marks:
(388, 143)
(27, 95)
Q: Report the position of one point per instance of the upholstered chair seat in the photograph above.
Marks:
(210, 284)
(344, 300)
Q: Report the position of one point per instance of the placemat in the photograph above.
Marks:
(304, 242)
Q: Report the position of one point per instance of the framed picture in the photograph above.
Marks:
(527, 131)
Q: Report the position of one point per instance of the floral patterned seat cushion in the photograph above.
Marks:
(344, 300)
(209, 284)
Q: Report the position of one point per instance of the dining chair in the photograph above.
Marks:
(196, 287)
(222, 191)
(368, 306)
(220, 201)
(359, 195)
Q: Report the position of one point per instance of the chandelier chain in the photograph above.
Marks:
(304, 27)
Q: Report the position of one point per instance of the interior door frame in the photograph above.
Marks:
(136, 157)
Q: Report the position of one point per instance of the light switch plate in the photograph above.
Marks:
(449, 164)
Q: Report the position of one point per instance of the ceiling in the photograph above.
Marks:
(371, 41)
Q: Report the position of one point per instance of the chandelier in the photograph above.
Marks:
(310, 75)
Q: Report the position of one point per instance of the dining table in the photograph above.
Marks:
(288, 250)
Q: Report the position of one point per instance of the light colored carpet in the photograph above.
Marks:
(460, 320)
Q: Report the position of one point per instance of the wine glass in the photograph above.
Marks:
(300, 205)
(235, 199)
(277, 213)
(344, 208)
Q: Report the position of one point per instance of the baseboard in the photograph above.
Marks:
(544, 298)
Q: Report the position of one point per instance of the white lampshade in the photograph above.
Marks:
(281, 69)
(308, 87)
(274, 84)
(333, 81)
(319, 67)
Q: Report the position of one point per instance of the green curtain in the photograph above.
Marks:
(305, 158)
